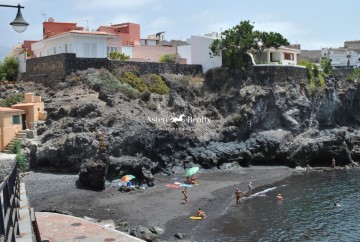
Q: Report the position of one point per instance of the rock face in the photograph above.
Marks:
(256, 117)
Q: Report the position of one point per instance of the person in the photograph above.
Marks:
(336, 205)
(250, 187)
(129, 184)
(187, 180)
(193, 180)
(200, 213)
(184, 192)
(333, 163)
(238, 195)
(279, 197)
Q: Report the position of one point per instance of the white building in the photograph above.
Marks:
(282, 55)
(85, 44)
(341, 59)
(198, 52)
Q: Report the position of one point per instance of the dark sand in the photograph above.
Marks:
(157, 206)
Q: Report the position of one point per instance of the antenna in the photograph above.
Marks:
(43, 14)
(87, 24)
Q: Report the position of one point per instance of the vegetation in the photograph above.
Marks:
(168, 58)
(134, 81)
(21, 161)
(155, 84)
(128, 91)
(15, 147)
(316, 77)
(325, 65)
(241, 39)
(152, 106)
(145, 96)
(103, 79)
(9, 69)
(356, 74)
(7, 102)
(118, 72)
(118, 56)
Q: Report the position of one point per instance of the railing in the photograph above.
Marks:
(9, 206)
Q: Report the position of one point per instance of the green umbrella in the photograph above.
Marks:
(192, 171)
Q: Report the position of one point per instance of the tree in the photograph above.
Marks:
(167, 58)
(118, 56)
(9, 69)
(241, 39)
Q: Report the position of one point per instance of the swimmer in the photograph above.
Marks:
(279, 197)
(337, 205)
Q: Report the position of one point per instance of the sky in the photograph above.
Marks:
(312, 23)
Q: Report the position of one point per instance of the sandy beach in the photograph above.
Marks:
(156, 206)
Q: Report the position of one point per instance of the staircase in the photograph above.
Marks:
(19, 136)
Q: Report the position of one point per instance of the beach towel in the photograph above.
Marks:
(186, 185)
(172, 186)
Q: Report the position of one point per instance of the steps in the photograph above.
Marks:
(19, 136)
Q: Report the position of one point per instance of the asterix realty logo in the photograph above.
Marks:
(182, 119)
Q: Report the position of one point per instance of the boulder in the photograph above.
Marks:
(92, 174)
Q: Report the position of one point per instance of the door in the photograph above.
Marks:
(23, 118)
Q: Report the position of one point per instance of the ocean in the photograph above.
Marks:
(307, 212)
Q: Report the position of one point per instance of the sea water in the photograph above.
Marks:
(307, 212)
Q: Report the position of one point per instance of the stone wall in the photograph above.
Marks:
(268, 74)
(51, 69)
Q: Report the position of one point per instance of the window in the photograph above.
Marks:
(65, 48)
(112, 49)
(288, 56)
(90, 50)
(16, 119)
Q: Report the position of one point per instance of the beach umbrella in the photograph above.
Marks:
(127, 178)
(192, 171)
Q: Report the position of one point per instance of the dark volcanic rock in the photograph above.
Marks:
(92, 174)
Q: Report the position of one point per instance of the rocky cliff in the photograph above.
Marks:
(229, 117)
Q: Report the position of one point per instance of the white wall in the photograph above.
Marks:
(81, 45)
(200, 53)
(185, 52)
(340, 59)
(127, 50)
(21, 58)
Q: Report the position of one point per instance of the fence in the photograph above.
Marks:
(9, 206)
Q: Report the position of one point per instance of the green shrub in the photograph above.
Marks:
(234, 119)
(15, 147)
(145, 96)
(128, 91)
(155, 84)
(356, 74)
(9, 69)
(134, 81)
(118, 56)
(152, 106)
(325, 65)
(21, 161)
(7, 102)
(167, 58)
(103, 79)
(179, 83)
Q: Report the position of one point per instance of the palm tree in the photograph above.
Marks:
(348, 62)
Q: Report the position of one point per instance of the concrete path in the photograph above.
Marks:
(64, 228)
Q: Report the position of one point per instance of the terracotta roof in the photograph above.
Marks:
(22, 104)
(82, 32)
(10, 110)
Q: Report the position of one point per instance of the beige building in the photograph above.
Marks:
(20, 117)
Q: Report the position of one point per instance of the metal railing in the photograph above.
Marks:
(9, 206)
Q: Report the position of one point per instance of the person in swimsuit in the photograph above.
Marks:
(250, 187)
(333, 163)
(200, 213)
(279, 197)
(238, 195)
(184, 192)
